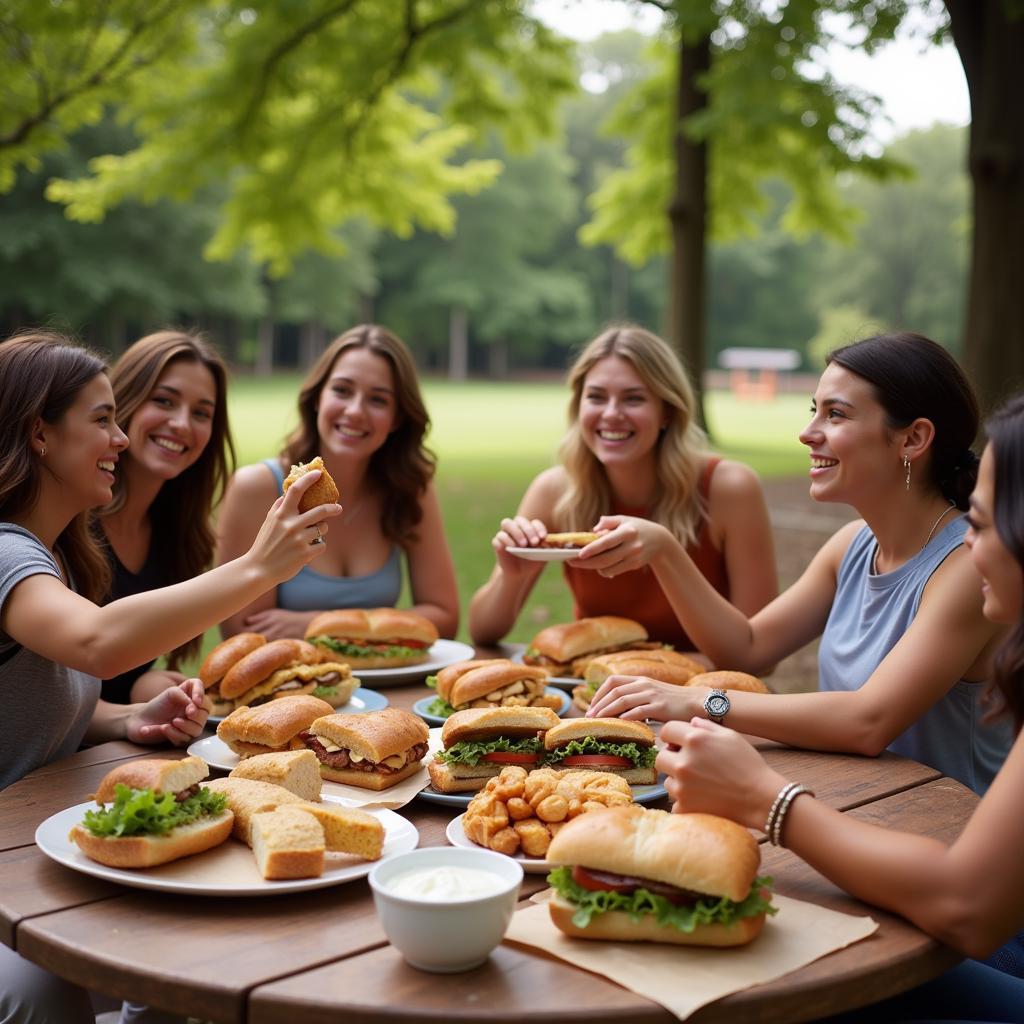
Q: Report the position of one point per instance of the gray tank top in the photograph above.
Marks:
(46, 706)
(869, 616)
(309, 590)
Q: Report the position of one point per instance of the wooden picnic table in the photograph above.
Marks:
(322, 956)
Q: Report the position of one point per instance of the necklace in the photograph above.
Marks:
(931, 532)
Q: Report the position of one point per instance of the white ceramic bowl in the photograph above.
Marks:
(454, 935)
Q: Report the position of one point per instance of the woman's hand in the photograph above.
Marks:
(518, 532)
(176, 716)
(289, 539)
(714, 770)
(641, 698)
(278, 623)
(626, 543)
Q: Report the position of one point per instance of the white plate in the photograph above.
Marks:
(227, 870)
(444, 652)
(641, 795)
(420, 707)
(459, 838)
(360, 701)
(545, 554)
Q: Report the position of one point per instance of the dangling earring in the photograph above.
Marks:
(906, 466)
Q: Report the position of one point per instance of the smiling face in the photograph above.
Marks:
(852, 452)
(1002, 579)
(172, 427)
(356, 408)
(620, 417)
(82, 449)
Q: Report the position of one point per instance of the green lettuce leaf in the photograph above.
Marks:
(359, 651)
(431, 681)
(589, 904)
(323, 692)
(642, 757)
(471, 752)
(141, 812)
(440, 707)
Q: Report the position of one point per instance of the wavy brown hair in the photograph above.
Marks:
(180, 513)
(1006, 440)
(41, 375)
(680, 447)
(402, 467)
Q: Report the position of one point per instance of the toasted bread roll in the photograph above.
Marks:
(161, 776)
(729, 681)
(273, 726)
(149, 851)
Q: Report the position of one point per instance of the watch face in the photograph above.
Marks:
(717, 705)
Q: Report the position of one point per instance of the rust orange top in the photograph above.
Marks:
(637, 594)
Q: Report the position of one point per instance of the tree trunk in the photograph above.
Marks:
(458, 343)
(991, 48)
(497, 359)
(687, 214)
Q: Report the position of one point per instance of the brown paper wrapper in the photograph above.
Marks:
(799, 934)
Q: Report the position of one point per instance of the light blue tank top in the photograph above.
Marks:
(309, 590)
(869, 615)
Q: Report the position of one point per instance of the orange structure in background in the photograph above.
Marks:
(754, 372)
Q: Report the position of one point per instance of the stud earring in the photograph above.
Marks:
(42, 451)
(906, 466)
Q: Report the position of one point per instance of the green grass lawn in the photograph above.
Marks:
(491, 439)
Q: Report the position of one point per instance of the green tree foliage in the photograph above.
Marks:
(312, 113)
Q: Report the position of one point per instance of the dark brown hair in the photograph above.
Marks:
(180, 513)
(913, 377)
(1006, 442)
(41, 376)
(402, 467)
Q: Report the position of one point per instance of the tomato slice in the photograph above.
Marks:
(610, 760)
(510, 757)
(602, 881)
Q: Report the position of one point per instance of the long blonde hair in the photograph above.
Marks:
(680, 448)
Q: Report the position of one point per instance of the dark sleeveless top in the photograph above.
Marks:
(124, 583)
(636, 594)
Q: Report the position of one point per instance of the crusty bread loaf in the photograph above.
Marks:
(272, 726)
(288, 843)
(614, 730)
(157, 774)
(323, 492)
(656, 653)
(149, 851)
(568, 540)
(369, 780)
(298, 771)
(599, 669)
(226, 654)
(699, 852)
(483, 723)
(461, 778)
(349, 830)
(569, 640)
(729, 681)
(247, 797)
(258, 666)
(374, 735)
(380, 625)
(447, 676)
(495, 676)
(618, 926)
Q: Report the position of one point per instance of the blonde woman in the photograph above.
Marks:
(634, 452)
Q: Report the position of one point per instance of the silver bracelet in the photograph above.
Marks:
(780, 818)
(770, 820)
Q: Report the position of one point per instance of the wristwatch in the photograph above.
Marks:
(716, 706)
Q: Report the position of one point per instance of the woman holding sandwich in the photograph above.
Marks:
(633, 449)
(905, 646)
(360, 408)
(170, 391)
(969, 895)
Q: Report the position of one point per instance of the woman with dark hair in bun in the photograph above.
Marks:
(904, 644)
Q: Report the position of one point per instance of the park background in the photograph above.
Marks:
(496, 192)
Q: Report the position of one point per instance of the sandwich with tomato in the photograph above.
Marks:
(633, 875)
(373, 637)
(479, 742)
(613, 745)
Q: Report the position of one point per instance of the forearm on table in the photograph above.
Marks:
(496, 606)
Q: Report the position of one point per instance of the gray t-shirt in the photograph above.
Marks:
(46, 707)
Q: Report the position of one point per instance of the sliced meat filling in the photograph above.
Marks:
(339, 759)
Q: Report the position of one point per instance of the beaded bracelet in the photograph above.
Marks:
(769, 824)
(775, 838)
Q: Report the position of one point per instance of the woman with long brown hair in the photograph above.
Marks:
(969, 895)
(359, 408)
(170, 390)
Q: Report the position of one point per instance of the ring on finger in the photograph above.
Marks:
(319, 538)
